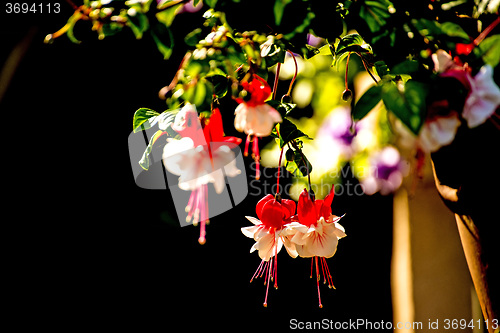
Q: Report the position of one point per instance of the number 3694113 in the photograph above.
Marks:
(32, 8)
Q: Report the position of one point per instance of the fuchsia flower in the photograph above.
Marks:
(311, 233)
(273, 215)
(483, 99)
(484, 95)
(203, 155)
(254, 117)
(316, 232)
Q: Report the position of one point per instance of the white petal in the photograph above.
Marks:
(298, 238)
(267, 246)
(438, 132)
(250, 231)
(290, 247)
(324, 246)
(253, 220)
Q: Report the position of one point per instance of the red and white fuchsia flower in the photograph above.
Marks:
(317, 232)
(266, 231)
(203, 155)
(254, 117)
(313, 232)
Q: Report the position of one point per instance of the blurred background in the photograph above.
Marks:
(90, 245)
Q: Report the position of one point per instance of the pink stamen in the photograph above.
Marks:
(268, 278)
(192, 206)
(256, 157)
(245, 153)
(257, 271)
(203, 202)
(317, 281)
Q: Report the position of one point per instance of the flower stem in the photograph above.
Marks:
(276, 78)
(295, 75)
(347, 70)
(317, 281)
(486, 31)
(279, 171)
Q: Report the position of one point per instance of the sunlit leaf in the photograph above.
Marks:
(406, 102)
(299, 166)
(163, 39)
(375, 13)
(351, 43)
(288, 131)
(145, 162)
(279, 8)
(367, 102)
(141, 117)
(490, 49)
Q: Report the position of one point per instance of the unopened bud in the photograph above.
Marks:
(347, 95)
(49, 39)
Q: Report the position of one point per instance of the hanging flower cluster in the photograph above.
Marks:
(311, 231)
(423, 96)
(202, 155)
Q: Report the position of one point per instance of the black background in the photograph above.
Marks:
(91, 249)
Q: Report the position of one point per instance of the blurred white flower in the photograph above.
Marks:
(483, 99)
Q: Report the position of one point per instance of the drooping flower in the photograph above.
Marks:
(315, 232)
(254, 117)
(483, 96)
(203, 155)
(266, 231)
(483, 99)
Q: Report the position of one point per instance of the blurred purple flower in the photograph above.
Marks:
(313, 40)
(338, 128)
(387, 170)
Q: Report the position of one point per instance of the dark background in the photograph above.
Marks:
(91, 249)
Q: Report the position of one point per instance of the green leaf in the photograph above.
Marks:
(167, 16)
(142, 116)
(325, 50)
(367, 102)
(381, 68)
(279, 8)
(407, 102)
(193, 37)
(138, 24)
(220, 84)
(145, 162)
(405, 67)
(374, 13)
(283, 108)
(288, 131)
(351, 43)
(210, 3)
(196, 93)
(490, 49)
(163, 39)
(300, 165)
(454, 30)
